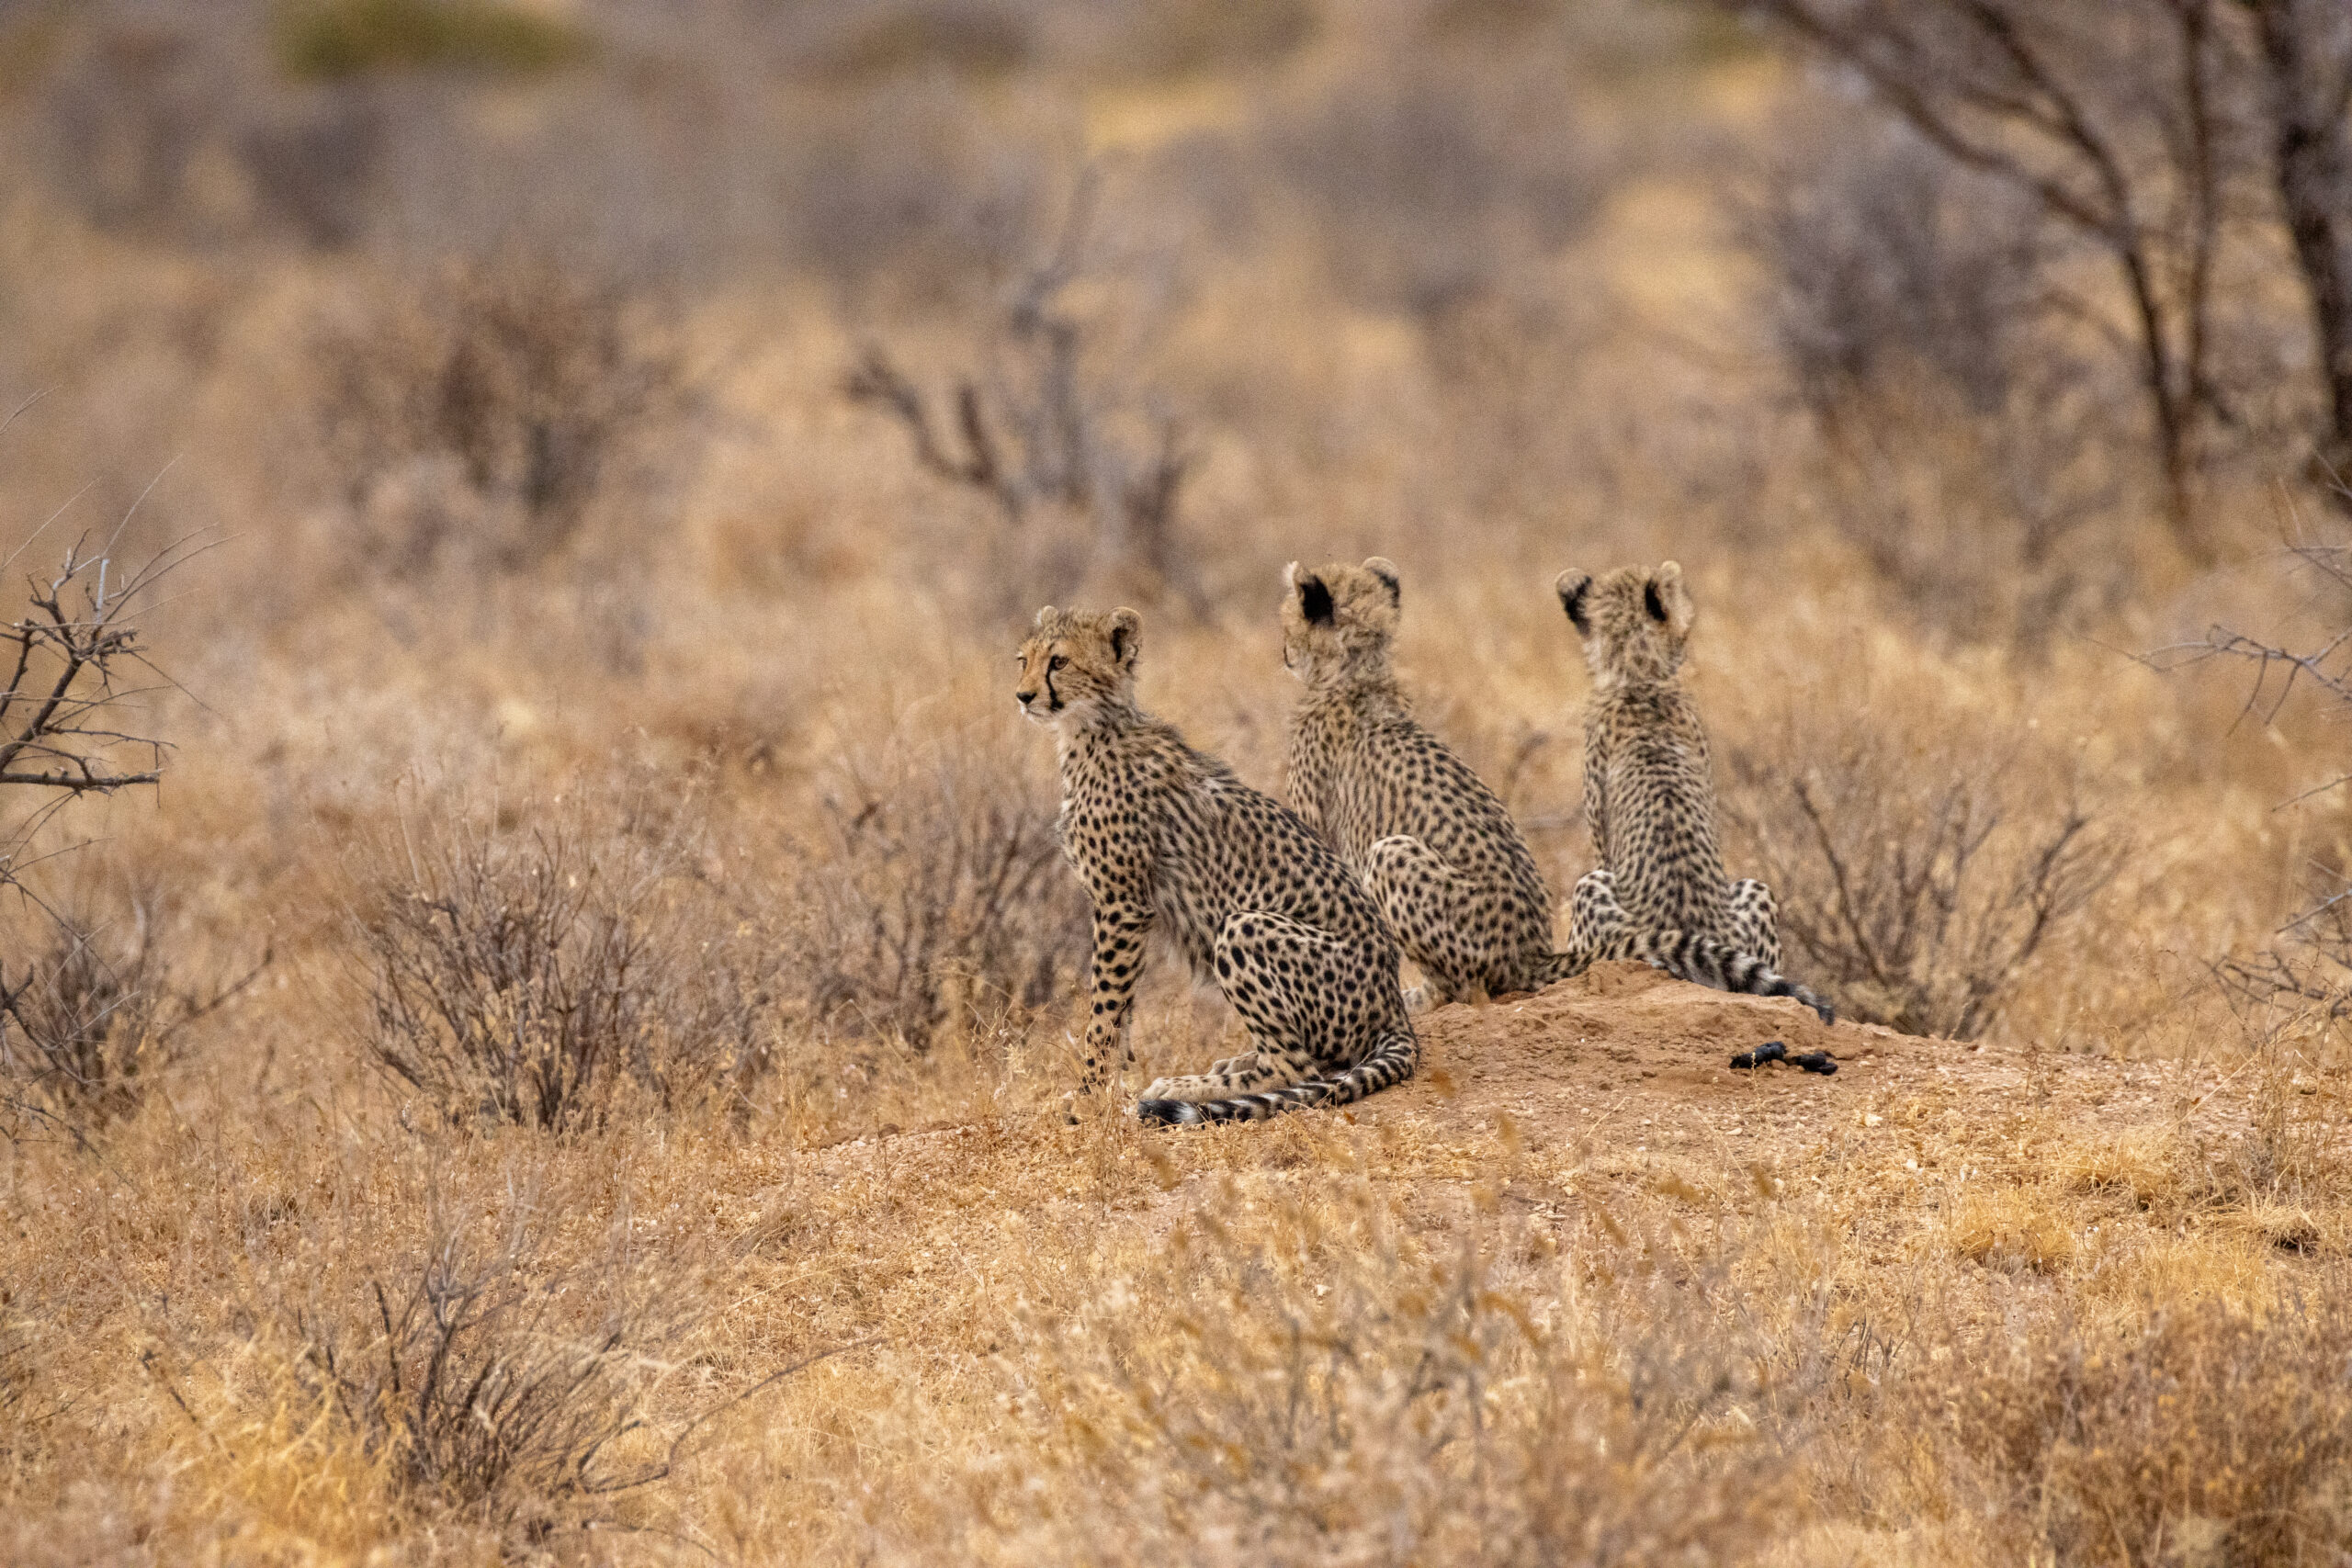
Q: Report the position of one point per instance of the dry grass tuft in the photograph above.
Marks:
(2013, 1230)
(1391, 1400)
(489, 1382)
(2203, 1434)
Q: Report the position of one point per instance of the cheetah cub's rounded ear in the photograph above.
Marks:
(1126, 627)
(1290, 578)
(1572, 586)
(1668, 598)
(1047, 613)
(1384, 569)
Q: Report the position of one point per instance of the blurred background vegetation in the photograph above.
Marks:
(610, 448)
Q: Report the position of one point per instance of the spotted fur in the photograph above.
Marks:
(1166, 838)
(1435, 847)
(1649, 796)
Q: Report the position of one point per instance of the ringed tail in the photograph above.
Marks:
(1700, 959)
(1390, 1063)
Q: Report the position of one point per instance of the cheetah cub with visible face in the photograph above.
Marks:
(1436, 849)
(1649, 800)
(1165, 836)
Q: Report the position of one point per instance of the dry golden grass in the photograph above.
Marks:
(835, 1281)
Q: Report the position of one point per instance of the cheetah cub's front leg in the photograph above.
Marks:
(1273, 970)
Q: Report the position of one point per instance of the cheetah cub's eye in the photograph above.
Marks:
(1055, 662)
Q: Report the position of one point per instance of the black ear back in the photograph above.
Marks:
(1572, 601)
(1315, 601)
(1652, 603)
(1388, 580)
(1119, 644)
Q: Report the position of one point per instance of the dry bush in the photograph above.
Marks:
(1053, 433)
(478, 421)
(1917, 886)
(1333, 1390)
(2201, 1434)
(1918, 311)
(86, 1026)
(496, 1384)
(2311, 961)
(529, 973)
(89, 1015)
(1424, 191)
(937, 901)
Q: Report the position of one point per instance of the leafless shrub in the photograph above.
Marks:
(938, 901)
(85, 1026)
(525, 975)
(1049, 427)
(1916, 308)
(485, 416)
(78, 1023)
(510, 1389)
(2207, 1432)
(1916, 889)
(2124, 126)
(2312, 959)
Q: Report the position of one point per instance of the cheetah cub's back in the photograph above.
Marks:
(1649, 798)
(1435, 847)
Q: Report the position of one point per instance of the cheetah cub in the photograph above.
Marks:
(1166, 836)
(1649, 801)
(1435, 848)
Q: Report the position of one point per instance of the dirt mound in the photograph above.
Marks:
(1629, 1027)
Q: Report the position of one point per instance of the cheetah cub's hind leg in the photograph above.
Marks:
(1273, 970)
(1432, 909)
(1594, 914)
(1751, 921)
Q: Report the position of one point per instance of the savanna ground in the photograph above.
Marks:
(569, 1061)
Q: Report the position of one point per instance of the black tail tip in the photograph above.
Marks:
(1770, 1051)
(1167, 1113)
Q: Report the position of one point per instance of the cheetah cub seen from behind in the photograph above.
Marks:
(1165, 836)
(1438, 851)
(1649, 800)
(1435, 848)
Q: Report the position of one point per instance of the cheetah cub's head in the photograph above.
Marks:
(1633, 623)
(1338, 619)
(1075, 663)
